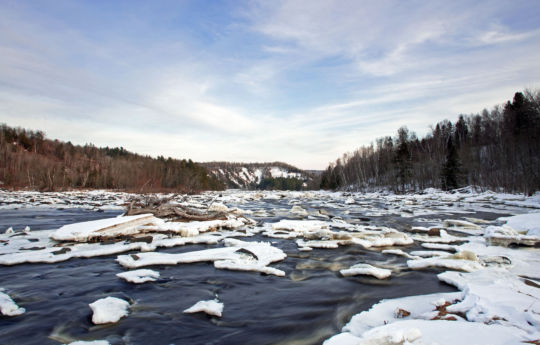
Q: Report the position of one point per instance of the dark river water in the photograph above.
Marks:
(307, 306)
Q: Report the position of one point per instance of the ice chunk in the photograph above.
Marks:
(299, 211)
(525, 222)
(109, 310)
(91, 342)
(237, 255)
(218, 207)
(463, 224)
(451, 263)
(210, 307)
(300, 225)
(109, 227)
(366, 269)
(8, 307)
(139, 276)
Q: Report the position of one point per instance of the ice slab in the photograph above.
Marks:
(210, 307)
(109, 310)
(8, 307)
(366, 269)
(109, 227)
(139, 276)
(236, 255)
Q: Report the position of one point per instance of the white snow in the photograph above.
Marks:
(450, 263)
(109, 227)
(210, 307)
(529, 223)
(237, 255)
(139, 276)
(109, 310)
(8, 307)
(366, 269)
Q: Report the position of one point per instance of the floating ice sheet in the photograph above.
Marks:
(139, 276)
(8, 307)
(210, 307)
(236, 255)
(109, 310)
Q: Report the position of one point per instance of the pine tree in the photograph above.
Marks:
(450, 173)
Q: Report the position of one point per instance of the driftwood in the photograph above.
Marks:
(163, 209)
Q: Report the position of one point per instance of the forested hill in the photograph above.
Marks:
(497, 149)
(274, 175)
(29, 160)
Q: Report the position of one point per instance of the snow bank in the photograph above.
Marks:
(494, 295)
(8, 307)
(529, 223)
(440, 332)
(210, 307)
(109, 310)
(139, 276)
(450, 263)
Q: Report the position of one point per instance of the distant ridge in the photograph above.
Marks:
(269, 175)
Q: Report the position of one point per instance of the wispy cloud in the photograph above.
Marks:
(298, 81)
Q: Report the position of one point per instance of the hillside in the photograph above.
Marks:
(29, 160)
(274, 175)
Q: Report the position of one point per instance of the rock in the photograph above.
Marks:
(434, 232)
(401, 313)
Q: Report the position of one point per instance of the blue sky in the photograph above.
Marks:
(295, 81)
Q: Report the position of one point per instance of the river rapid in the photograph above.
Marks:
(310, 304)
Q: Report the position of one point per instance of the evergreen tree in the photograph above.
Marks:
(402, 159)
(450, 172)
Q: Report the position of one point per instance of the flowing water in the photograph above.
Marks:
(307, 306)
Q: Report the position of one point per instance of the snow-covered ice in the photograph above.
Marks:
(109, 310)
(139, 276)
(210, 307)
(109, 227)
(366, 269)
(236, 255)
(7, 306)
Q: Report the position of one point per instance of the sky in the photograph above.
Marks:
(253, 81)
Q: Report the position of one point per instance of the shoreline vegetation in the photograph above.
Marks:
(497, 150)
(494, 150)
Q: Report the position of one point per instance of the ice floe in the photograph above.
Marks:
(109, 310)
(109, 227)
(139, 276)
(8, 307)
(366, 269)
(210, 307)
(236, 255)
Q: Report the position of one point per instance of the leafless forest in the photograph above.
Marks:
(497, 149)
(28, 159)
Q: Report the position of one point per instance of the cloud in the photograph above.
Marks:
(297, 81)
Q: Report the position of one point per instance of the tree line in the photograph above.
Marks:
(497, 149)
(29, 160)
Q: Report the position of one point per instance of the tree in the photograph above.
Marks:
(403, 159)
(450, 174)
